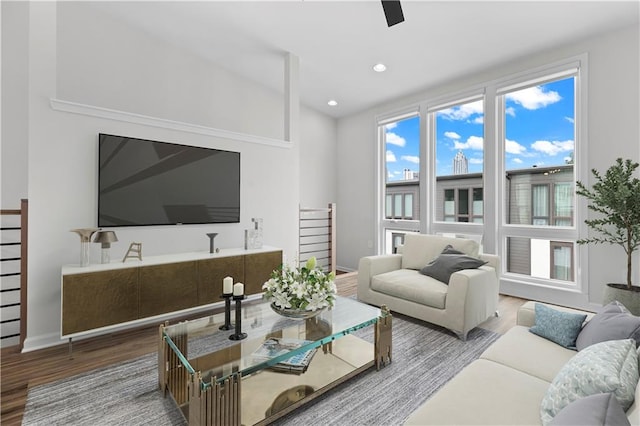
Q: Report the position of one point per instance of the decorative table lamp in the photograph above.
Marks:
(105, 238)
(85, 238)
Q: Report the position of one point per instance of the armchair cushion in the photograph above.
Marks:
(420, 249)
(450, 261)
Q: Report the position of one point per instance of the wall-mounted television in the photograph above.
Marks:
(145, 182)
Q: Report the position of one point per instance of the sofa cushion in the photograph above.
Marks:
(612, 322)
(529, 353)
(448, 262)
(610, 366)
(410, 285)
(602, 409)
(558, 326)
(484, 393)
(420, 249)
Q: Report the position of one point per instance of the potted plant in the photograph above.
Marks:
(615, 195)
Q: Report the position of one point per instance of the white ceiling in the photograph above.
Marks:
(338, 42)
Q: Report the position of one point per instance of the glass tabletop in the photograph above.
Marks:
(208, 349)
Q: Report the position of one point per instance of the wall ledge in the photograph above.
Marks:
(129, 117)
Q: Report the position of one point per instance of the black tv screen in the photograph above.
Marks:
(144, 182)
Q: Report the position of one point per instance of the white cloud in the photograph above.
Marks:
(394, 139)
(478, 120)
(391, 157)
(510, 111)
(452, 135)
(552, 148)
(534, 97)
(513, 147)
(473, 142)
(570, 120)
(462, 112)
(391, 126)
(411, 158)
(517, 160)
(476, 160)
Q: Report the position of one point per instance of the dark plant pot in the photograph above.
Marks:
(629, 297)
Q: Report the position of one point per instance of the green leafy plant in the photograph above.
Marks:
(616, 196)
(305, 288)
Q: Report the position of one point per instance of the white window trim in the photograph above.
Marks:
(382, 223)
(577, 66)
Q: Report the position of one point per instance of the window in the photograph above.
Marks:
(540, 258)
(520, 196)
(540, 204)
(561, 261)
(458, 130)
(462, 205)
(539, 141)
(400, 144)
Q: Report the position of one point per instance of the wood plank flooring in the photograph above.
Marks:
(19, 371)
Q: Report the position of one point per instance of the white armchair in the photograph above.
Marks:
(468, 299)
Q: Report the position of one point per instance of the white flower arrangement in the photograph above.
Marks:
(306, 288)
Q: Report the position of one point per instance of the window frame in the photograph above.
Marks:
(495, 232)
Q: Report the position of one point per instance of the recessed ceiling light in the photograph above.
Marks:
(379, 67)
(332, 102)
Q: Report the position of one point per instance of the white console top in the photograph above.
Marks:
(162, 259)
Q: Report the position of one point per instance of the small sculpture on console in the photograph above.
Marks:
(135, 251)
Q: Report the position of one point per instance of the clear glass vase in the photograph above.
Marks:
(85, 238)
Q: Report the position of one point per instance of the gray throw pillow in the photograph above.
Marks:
(450, 261)
(612, 322)
(558, 326)
(602, 409)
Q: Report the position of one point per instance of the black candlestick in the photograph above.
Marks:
(227, 312)
(238, 335)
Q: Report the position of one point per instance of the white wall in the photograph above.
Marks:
(13, 146)
(613, 131)
(75, 54)
(318, 180)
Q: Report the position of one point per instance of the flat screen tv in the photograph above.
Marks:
(145, 182)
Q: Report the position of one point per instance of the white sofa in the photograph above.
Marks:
(507, 384)
(468, 299)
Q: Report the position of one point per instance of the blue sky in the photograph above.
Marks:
(539, 131)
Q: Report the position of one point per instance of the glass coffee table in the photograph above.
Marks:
(218, 381)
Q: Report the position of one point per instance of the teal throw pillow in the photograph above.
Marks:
(606, 367)
(558, 326)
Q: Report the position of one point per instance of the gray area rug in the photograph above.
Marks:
(425, 357)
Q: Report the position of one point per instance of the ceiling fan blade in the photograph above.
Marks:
(392, 11)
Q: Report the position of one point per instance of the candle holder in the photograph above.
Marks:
(227, 312)
(238, 335)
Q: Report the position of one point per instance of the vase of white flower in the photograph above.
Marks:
(302, 292)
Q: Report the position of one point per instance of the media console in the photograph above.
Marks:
(104, 297)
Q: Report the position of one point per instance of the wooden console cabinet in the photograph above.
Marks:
(99, 296)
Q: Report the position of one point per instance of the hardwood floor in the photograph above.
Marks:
(19, 371)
